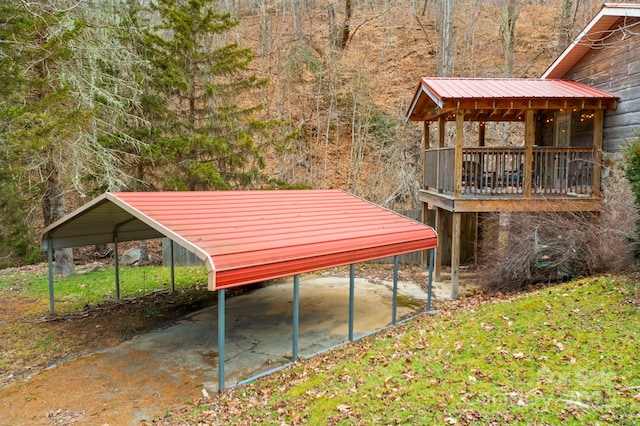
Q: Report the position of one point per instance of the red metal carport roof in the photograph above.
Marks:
(248, 236)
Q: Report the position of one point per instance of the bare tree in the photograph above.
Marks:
(448, 49)
(75, 91)
(509, 13)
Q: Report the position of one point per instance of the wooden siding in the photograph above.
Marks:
(615, 69)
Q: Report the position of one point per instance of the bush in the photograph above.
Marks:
(531, 248)
(631, 167)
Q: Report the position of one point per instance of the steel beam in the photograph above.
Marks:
(394, 304)
(50, 260)
(432, 256)
(221, 339)
(173, 271)
(296, 315)
(352, 285)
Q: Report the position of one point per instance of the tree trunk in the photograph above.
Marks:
(53, 209)
(566, 24)
(510, 14)
(345, 31)
(448, 45)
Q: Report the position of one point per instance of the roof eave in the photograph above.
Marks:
(607, 10)
(155, 230)
(423, 90)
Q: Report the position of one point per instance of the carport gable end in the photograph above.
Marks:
(248, 236)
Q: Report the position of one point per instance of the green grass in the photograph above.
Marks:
(72, 292)
(563, 355)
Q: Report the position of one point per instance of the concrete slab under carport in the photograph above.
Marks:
(147, 375)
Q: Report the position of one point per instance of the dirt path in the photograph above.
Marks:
(144, 377)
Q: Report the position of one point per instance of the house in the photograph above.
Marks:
(585, 105)
(606, 56)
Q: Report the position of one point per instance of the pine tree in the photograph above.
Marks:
(199, 99)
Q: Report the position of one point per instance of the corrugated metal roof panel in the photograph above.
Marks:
(250, 236)
(441, 95)
(510, 88)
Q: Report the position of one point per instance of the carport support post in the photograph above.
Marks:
(50, 260)
(220, 340)
(296, 315)
(430, 283)
(394, 304)
(116, 263)
(173, 271)
(352, 284)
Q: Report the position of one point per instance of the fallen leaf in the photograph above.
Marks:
(344, 408)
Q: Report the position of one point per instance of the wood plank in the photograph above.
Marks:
(529, 141)
(457, 164)
(455, 255)
(598, 119)
(505, 204)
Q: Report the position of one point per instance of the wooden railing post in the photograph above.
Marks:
(457, 165)
(529, 140)
(425, 143)
(598, 128)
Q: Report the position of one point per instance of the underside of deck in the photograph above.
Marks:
(469, 203)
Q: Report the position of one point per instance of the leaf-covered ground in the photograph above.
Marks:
(561, 355)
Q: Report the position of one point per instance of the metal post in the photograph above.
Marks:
(50, 260)
(173, 276)
(430, 283)
(394, 305)
(296, 315)
(221, 327)
(352, 283)
(117, 264)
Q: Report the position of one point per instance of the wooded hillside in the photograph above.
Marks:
(348, 103)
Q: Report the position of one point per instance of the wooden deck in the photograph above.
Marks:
(511, 202)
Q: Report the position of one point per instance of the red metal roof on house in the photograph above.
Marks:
(435, 96)
(593, 34)
(510, 88)
(250, 236)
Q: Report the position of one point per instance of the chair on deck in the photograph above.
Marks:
(474, 175)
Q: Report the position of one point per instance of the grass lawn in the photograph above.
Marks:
(568, 354)
(73, 292)
(87, 315)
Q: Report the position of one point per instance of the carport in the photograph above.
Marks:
(245, 237)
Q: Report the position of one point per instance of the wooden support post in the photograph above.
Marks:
(455, 254)
(529, 141)
(425, 206)
(442, 122)
(457, 165)
(426, 135)
(598, 128)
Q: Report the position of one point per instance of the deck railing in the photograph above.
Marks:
(487, 170)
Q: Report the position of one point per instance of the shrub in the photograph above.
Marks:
(631, 167)
(530, 248)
